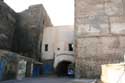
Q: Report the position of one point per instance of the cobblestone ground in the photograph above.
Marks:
(48, 80)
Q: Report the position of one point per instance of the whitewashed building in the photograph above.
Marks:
(58, 47)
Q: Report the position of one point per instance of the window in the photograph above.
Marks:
(46, 47)
(70, 47)
(58, 48)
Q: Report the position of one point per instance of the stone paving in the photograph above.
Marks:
(49, 80)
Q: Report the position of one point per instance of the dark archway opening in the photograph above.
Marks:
(62, 68)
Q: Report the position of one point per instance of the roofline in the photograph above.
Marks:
(60, 26)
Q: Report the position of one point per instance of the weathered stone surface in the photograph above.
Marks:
(7, 26)
(100, 45)
(94, 51)
(22, 32)
(31, 23)
(93, 25)
(117, 25)
(86, 44)
(89, 7)
(122, 42)
(124, 7)
(99, 26)
(113, 7)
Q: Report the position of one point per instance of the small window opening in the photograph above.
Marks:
(46, 47)
(70, 47)
(58, 48)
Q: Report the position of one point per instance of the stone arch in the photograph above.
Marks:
(62, 68)
(61, 64)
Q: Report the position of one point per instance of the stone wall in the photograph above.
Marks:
(15, 66)
(7, 26)
(31, 23)
(22, 32)
(100, 35)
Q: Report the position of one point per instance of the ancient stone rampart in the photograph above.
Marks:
(100, 35)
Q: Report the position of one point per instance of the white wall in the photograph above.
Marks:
(56, 37)
(113, 73)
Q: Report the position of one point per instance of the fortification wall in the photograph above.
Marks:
(7, 26)
(100, 35)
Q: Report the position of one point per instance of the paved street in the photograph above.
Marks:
(41, 80)
(49, 80)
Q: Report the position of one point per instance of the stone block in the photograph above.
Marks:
(109, 45)
(122, 42)
(93, 25)
(92, 52)
(89, 7)
(87, 46)
(124, 7)
(98, 45)
(113, 7)
(117, 25)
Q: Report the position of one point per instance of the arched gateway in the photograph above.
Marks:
(58, 47)
(62, 62)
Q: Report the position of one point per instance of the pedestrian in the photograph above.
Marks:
(70, 72)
